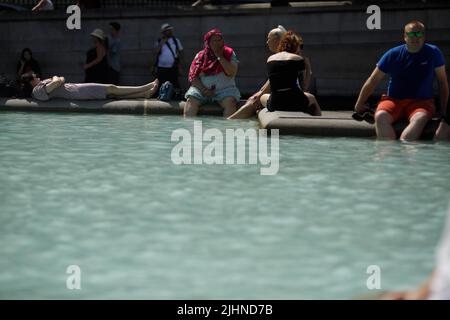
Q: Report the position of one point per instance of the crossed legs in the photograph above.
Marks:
(145, 91)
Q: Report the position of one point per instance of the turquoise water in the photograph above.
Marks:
(101, 192)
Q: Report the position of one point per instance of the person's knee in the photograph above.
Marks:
(420, 118)
(263, 100)
(191, 101)
(383, 117)
(309, 95)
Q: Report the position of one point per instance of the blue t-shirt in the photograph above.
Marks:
(411, 74)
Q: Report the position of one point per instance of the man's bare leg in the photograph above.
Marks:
(442, 132)
(383, 126)
(415, 127)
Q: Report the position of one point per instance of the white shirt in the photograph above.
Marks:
(166, 58)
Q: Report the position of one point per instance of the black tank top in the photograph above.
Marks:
(99, 72)
(284, 77)
(285, 73)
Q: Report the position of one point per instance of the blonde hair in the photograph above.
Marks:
(279, 31)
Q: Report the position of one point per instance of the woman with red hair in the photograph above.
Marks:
(286, 72)
(212, 75)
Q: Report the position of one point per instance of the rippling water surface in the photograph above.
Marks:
(101, 192)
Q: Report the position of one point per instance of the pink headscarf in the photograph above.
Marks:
(206, 61)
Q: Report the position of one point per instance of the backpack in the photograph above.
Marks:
(9, 88)
(166, 91)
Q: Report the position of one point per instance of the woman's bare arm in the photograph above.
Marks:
(200, 86)
(307, 76)
(230, 67)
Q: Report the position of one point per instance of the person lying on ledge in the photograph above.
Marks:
(411, 67)
(253, 104)
(56, 87)
(212, 75)
(286, 70)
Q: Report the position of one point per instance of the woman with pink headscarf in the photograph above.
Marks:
(212, 75)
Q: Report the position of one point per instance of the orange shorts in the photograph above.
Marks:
(405, 108)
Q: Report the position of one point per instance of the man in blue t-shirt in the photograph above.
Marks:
(412, 68)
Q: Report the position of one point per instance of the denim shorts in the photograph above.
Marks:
(220, 94)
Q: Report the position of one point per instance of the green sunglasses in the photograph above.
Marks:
(417, 34)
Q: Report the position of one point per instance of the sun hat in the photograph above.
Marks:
(98, 33)
(165, 27)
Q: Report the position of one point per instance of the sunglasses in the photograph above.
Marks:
(417, 34)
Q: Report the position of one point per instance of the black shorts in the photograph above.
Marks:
(291, 100)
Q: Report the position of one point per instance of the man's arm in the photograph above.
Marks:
(443, 87)
(158, 46)
(55, 83)
(368, 88)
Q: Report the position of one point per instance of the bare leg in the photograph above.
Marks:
(247, 110)
(314, 104)
(442, 132)
(383, 126)
(143, 94)
(135, 92)
(264, 98)
(191, 107)
(229, 106)
(415, 127)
